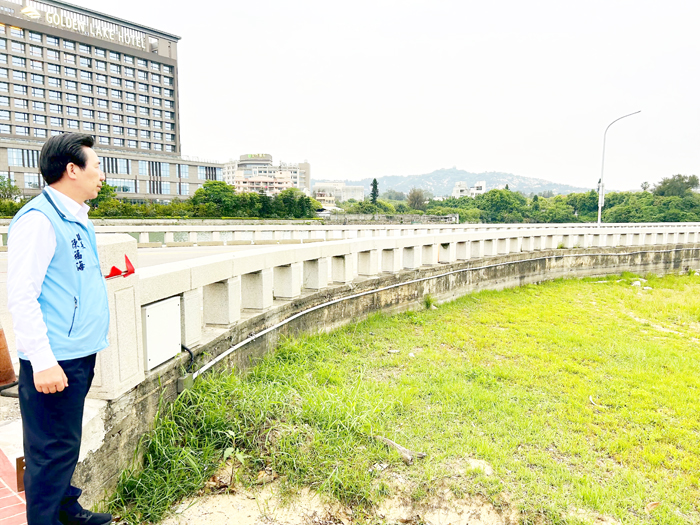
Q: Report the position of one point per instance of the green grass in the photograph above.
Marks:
(580, 395)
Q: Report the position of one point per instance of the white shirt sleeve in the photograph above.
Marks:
(30, 248)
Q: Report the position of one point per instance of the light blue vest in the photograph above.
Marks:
(73, 296)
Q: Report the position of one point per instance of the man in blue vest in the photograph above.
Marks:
(58, 301)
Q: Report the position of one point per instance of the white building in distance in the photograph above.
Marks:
(256, 173)
(462, 189)
(340, 191)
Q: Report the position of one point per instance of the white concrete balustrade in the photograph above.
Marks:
(219, 290)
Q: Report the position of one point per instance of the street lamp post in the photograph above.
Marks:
(601, 187)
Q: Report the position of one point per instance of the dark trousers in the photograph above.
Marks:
(53, 425)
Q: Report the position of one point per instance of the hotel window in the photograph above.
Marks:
(22, 130)
(4, 101)
(101, 115)
(128, 60)
(58, 109)
(84, 48)
(54, 95)
(70, 84)
(54, 82)
(115, 81)
(169, 114)
(19, 103)
(130, 132)
(183, 171)
(145, 145)
(22, 117)
(130, 108)
(87, 101)
(117, 106)
(40, 119)
(101, 91)
(131, 143)
(88, 126)
(4, 114)
(184, 188)
(3, 43)
(129, 72)
(85, 62)
(131, 121)
(170, 137)
(86, 88)
(114, 56)
(117, 118)
(155, 66)
(19, 76)
(51, 40)
(141, 62)
(116, 93)
(69, 59)
(117, 130)
(201, 172)
(104, 140)
(99, 52)
(168, 70)
(89, 113)
(86, 75)
(157, 135)
(3, 72)
(115, 69)
(40, 133)
(157, 147)
(37, 79)
(157, 124)
(5, 128)
(72, 124)
(52, 55)
(67, 44)
(36, 51)
(168, 93)
(38, 93)
(16, 32)
(103, 128)
(143, 111)
(70, 72)
(165, 188)
(118, 142)
(20, 90)
(102, 104)
(39, 106)
(123, 185)
(71, 98)
(100, 66)
(145, 134)
(31, 180)
(143, 75)
(56, 122)
(143, 168)
(53, 69)
(169, 104)
(19, 62)
(155, 78)
(34, 37)
(143, 87)
(168, 81)
(102, 79)
(130, 97)
(18, 47)
(129, 84)
(170, 126)
(143, 99)
(157, 113)
(144, 122)
(36, 65)
(156, 101)
(155, 90)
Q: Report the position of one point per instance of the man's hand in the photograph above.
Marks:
(51, 380)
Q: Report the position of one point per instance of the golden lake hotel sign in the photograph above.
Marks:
(88, 26)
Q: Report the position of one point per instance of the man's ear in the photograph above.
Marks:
(70, 171)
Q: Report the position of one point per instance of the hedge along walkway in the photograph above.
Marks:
(581, 395)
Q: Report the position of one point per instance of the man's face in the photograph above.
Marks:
(90, 178)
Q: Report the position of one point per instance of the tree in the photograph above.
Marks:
(219, 195)
(107, 193)
(676, 186)
(393, 195)
(416, 199)
(645, 186)
(375, 192)
(8, 190)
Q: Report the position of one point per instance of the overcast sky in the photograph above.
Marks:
(388, 87)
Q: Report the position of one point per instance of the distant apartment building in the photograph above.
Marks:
(340, 191)
(462, 189)
(65, 68)
(257, 173)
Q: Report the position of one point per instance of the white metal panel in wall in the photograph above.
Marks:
(161, 331)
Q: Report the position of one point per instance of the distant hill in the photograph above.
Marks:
(441, 182)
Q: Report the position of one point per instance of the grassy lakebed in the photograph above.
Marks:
(580, 395)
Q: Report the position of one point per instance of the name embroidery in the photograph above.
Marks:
(77, 244)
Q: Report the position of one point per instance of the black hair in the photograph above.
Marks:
(61, 150)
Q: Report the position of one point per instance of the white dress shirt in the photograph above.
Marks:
(31, 246)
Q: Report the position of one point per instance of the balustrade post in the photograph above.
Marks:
(429, 255)
(193, 237)
(476, 249)
(191, 306)
(222, 302)
(169, 237)
(342, 268)
(412, 257)
(447, 253)
(391, 260)
(316, 273)
(368, 263)
(287, 281)
(462, 252)
(143, 238)
(256, 290)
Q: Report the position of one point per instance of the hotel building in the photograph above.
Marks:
(256, 173)
(64, 68)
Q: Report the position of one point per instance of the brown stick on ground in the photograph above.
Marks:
(406, 455)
